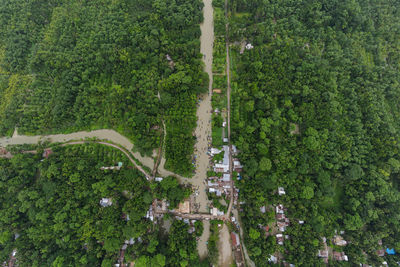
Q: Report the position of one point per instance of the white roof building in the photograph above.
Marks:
(236, 164)
(158, 179)
(249, 46)
(234, 149)
(149, 214)
(273, 259)
(215, 151)
(226, 155)
(226, 177)
(281, 191)
(105, 202)
(279, 209)
(210, 184)
(214, 211)
(224, 167)
(131, 241)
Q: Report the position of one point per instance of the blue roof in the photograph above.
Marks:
(390, 251)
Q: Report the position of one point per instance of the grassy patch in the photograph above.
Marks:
(219, 55)
(242, 14)
(213, 241)
(219, 21)
(217, 136)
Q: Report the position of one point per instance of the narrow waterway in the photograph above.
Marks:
(103, 134)
(203, 130)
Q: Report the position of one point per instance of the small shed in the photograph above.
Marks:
(390, 251)
(105, 202)
(47, 152)
(217, 91)
(281, 191)
(249, 46)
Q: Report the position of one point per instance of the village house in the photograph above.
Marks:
(215, 151)
(281, 191)
(279, 239)
(150, 214)
(280, 209)
(340, 256)
(280, 216)
(214, 190)
(281, 226)
(223, 166)
(380, 252)
(324, 253)
(47, 152)
(234, 150)
(273, 259)
(226, 177)
(184, 207)
(215, 212)
(106, 202)
(158, 179)
(339, 241)
(235, 239)
(237, 167)
(249, 46)
(217, 91)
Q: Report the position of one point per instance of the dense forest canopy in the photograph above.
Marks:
(72, 65)
(51, 212)
(315, 110)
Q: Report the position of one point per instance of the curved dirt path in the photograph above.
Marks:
(104, 134)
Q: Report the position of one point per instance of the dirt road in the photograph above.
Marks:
(203, 129)
(224, 248)
(103, 134)
(202, 243)
(228, 73)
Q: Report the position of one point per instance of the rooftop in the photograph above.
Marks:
(184, 207)
(235, 239)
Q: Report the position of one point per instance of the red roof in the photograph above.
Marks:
(235, 239)
(47, 153)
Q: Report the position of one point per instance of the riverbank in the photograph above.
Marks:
(203, 130)
(103, 134)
